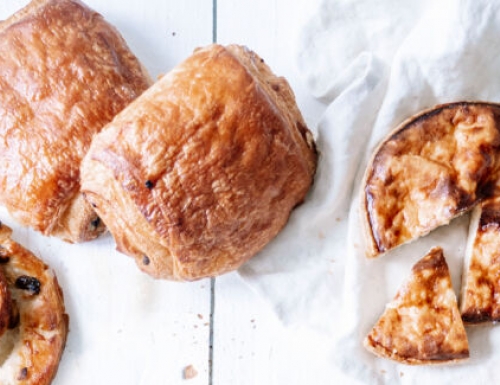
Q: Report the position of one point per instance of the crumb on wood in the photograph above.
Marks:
(189, 372)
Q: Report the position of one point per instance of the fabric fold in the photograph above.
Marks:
(376, 64)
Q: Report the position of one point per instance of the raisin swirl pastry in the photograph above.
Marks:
(64, 73)
(33, 323)
(202, 170)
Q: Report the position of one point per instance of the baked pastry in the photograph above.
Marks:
(202, 170)
(33, 323)
(64, 73)
(480, 279)
(430, 169)
(422, 325)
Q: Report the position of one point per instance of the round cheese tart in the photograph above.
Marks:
(430, 169)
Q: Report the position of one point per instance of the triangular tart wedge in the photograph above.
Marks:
(480, 300)
(430, 169)
(422, 325)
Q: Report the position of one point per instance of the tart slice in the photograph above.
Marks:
(422, 325)
(430, 169)
(480, 300)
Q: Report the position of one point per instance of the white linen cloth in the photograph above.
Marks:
(376, 63)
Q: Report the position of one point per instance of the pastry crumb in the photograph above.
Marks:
(189, 372)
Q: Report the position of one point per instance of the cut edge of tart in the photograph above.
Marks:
(433, 167)
(422, 324)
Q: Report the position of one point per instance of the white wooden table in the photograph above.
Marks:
(220, 327)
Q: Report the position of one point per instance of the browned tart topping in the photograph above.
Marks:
(431, 169)
(422, 325)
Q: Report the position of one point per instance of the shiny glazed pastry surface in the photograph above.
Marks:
(64, 73)
(422, 325)
(430, 169)
(33, 323)
(201, 171)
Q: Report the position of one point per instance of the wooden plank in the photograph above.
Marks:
(126, 328)
(251, 346)
(246, 336)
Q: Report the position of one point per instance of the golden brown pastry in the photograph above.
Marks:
(430, 169)
(202, 171)
(64, 73)
(33, 323)
(422, 325)
(480, 301)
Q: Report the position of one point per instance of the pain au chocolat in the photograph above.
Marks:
(430, 169)
(203, 170)
(33, 322)
(422, 325)
(64, 73)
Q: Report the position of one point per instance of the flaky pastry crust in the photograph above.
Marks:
(34, 335)
(429, 170)
(201, 171)
(422, 325)
(64, 73)
(480, 298)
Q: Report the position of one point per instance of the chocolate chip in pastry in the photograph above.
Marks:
(64, 73)
(202, 171)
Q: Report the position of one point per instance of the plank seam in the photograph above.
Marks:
(214, 21)
(212, 280)
(211, 336)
